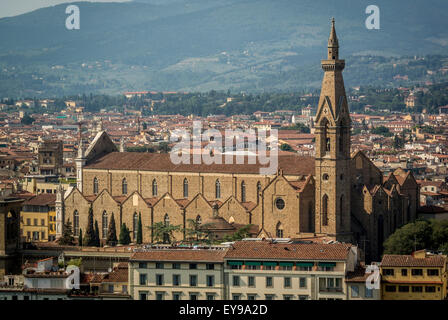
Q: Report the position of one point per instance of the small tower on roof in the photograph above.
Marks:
(333, 43)
(121, 144)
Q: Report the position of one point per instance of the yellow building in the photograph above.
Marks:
(38, 218)
(38, 184)
(112, 285)
(420, 276)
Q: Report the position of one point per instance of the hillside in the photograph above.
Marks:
(250, 45)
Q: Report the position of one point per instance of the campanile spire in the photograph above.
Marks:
(333, 43)
(333, 148)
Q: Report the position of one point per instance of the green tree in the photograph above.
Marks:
(399, 142)
(89, 239)
(27, 120)
(163, 233)
(410, 237)
(67, 235)
(139, 229)
(164, 148)
(196, 230)
(112, 232)
(299, 127)
(286, 147)
(240, 234)
(125, 235)
(97, 235)
(382, 130)
(80, 238)
(75, 262)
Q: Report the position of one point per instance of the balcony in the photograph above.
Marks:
(330, 289)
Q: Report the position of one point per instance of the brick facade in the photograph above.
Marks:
(362, 206)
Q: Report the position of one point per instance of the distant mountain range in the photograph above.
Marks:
(252, 45)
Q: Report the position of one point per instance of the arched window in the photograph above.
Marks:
(341, 210)
(135, 224)
(408, 211)
(95, 185)
(124, 186)
(217, 189)
(394, 220)
(198, 220)
(76, 223)
(380, 234)
(243, 191)
(326, 136)
(104, 223)
(325, 210)
(279, 230)
(341, 141)
(258, 190)
(185, 188)
(154, 188)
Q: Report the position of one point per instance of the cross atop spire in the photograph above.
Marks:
(333, 43)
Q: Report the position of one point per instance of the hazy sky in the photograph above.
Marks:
(9, 8)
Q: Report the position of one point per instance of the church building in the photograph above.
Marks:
(337, 195)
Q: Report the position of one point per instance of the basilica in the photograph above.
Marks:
(337, 195)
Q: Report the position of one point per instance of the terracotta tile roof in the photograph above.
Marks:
(86, 278)
(217, 224)
(298, 185)
(392, 260)
(424, 183)
(119, 274)
(23, 195)
(358, 275)
(151, 201)
(42, 199)
(249, 205)
(268, 250)
(182, 202)
(90, 198)
(97, 278)
(120, 199)
(431, 209)
(291, 164)
(254, 229)
(212, 202)
(200, 255)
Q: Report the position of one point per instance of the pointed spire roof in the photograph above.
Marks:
(333, 40)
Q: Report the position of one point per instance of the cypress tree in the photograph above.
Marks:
(80, 238)
(97, 235)
(67, 236)
(125, 237)
(112, 232)
(139, 229)
(89, 239)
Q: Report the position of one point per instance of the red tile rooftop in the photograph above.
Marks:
(302, 251)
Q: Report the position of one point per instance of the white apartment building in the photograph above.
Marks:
(264, 270)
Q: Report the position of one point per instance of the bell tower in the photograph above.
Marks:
(333, 149)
